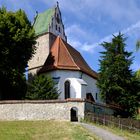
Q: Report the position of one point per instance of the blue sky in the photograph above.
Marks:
(90, 22)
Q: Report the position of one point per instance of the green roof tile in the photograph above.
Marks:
(42, 21)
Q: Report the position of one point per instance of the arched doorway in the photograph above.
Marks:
(67, 89)
(74, 114)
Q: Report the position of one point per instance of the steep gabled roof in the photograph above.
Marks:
(42, 21)
(64, 56)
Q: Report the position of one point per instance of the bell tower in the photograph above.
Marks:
(56, 26)
(47, 25)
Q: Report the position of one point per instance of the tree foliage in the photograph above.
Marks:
(116, 82)
(16, 40)
(42, 88)
(138, 45)
(137, 49)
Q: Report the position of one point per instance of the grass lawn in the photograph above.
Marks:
(43, 130)
(124, 133)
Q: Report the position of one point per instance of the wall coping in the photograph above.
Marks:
(56, 101)
(40, 101)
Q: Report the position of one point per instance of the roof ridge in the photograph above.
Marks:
(69, 53)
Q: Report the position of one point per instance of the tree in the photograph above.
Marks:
(117, 82)
(17, 38)
(42, 88)
(138, 45)
(137, 49)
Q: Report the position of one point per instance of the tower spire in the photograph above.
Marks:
(57, 4)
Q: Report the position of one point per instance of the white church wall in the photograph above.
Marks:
(77, 91)
(75, 88)
(64, 75)
(92, 87)
(83, 91)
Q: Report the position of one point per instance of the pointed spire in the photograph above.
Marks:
(57, 4)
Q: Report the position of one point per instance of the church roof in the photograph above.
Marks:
(42, 21)
(63, 56)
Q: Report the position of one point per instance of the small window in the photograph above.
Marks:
(67, 89)
(56, 27)
(56, 79)
(59, 29)
(57, 19)
(96, 96)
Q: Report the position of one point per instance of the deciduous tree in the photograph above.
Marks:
(17, 38)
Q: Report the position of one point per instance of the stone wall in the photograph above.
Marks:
(40, 110)
(41, 53)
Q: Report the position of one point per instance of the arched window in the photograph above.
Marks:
(67, 89)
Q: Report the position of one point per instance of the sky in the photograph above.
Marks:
(90, 22)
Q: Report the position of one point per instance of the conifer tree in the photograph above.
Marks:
(137, 49)
(117, 82)
(41, 87)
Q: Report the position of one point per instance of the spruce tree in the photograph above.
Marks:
(41, 87)
(117, 82)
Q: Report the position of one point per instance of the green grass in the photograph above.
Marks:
(123, 133)
(43, 130)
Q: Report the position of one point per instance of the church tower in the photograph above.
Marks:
(47, 25)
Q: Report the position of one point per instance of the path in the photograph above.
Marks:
(102, 133)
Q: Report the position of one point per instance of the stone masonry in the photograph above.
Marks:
(40, 110)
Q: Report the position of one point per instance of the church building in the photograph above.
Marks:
(56, 57)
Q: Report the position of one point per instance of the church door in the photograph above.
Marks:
(74, 114)
(67, 89)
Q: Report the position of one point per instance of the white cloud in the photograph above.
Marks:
(116, 9)
(93, 47)
(132, 27)
(80, 38)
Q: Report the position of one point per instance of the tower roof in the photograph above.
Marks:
(42, 21)
(63, 56)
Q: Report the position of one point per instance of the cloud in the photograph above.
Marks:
(92, 47)
(80, 38)
(132, 27)
(117, 10)
(80, 32)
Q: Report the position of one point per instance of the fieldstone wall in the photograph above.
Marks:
(40, 110)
